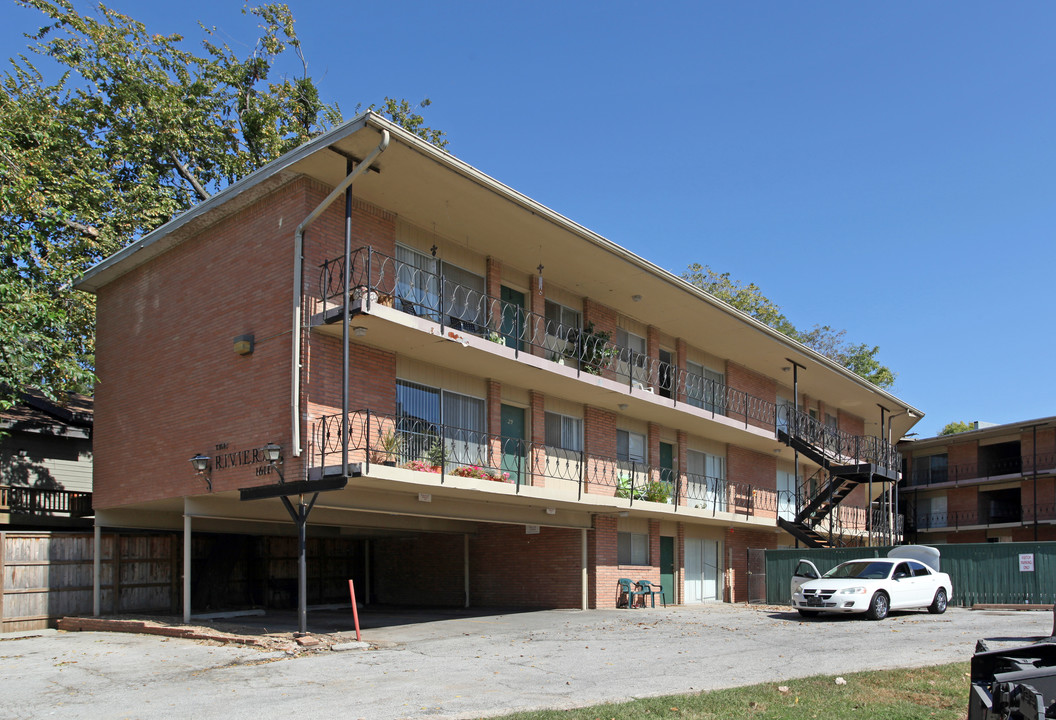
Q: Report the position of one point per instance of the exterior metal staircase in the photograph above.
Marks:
(850, 460)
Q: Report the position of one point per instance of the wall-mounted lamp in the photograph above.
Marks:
(273, 454)
(359, 331)
(551, 511)
(200, 463)
(244, 344)
(636, 298)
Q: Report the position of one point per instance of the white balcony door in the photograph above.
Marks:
(703, 573)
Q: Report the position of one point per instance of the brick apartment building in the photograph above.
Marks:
(531, 411)
(990, 484)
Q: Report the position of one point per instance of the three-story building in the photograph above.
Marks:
(524, 411)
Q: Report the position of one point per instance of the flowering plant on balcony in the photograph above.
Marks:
(475, 471)
(422, 466)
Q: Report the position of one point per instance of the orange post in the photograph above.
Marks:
(355, 610)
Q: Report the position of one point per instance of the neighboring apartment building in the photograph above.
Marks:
(996, 483)
(532, 412)
(46, 463)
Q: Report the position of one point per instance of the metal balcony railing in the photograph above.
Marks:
(448, 451)
(838, 446)
(1003, 515)
(379, 278)
(405, 287)
(983, 470)
(44, 502)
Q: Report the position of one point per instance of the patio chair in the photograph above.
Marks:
(647, 588)
(626, 595)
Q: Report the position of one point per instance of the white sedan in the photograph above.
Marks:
(907, 578)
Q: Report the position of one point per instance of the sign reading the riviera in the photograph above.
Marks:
(238, 458)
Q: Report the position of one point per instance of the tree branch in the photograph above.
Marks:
(189, 177)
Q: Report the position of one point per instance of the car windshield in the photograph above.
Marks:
(864, 569)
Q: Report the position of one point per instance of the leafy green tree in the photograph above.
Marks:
(955, 427)
(134, 129)
(858, 358)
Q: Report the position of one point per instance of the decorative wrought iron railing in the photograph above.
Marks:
(1005, 514)
(44, 502)
(379, 278)
(447, 451)
(838, 446)
(1045, 463)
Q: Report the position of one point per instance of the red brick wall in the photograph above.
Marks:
(510, 567)
(756, 385)
(738, 542)
(851, 423)
(426, 569)
(963, 453)
(599, 439)
(602, 557)
(962, 500)
(170, 384)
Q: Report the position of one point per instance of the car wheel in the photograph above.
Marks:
(808, 613)
(938, 605)
(878, 607)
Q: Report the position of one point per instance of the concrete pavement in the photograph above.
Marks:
(452, 664)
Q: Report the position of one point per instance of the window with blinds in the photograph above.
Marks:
(564, 432)
(428, 416)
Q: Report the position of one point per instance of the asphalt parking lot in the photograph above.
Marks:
(453, 664)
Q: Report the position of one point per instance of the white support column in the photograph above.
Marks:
(584, 570)
(465, 563)
(187, 569)
(97, 571)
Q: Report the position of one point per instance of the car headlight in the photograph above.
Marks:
(853, 591)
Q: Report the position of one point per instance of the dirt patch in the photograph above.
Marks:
(218, 633)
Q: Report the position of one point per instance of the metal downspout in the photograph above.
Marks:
(298, 261)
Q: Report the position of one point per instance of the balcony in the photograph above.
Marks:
(983, 471)
(379, 283)
(32, 503)
(1006, 516)
(431, 453)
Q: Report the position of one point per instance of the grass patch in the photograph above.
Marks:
(933, 693)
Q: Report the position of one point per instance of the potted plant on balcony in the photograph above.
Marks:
(389, 448)
(592, 348)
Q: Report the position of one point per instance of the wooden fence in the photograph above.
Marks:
(48, 575)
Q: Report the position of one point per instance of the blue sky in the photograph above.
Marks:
(885, 168)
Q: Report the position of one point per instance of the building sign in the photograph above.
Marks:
(531, 529)
(226, 458)
(1026, 562)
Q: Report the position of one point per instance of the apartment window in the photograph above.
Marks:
(632, 361)
(930, 469)
(705, 388)
(630, 446)
(564, 432)
(417, 283)
(632, 548)
(427, 414)
(464, 301)
(706, 480)
(560, 319)
(418, 290)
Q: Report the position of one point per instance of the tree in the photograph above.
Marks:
(135, 130)
(858, 358)
(958, 426)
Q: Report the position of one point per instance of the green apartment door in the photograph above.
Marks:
(513, 446)
(512, 317)
(667, 567)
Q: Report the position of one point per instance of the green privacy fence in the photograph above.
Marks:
(980, 572)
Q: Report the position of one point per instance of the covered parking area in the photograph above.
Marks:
(422, 546)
